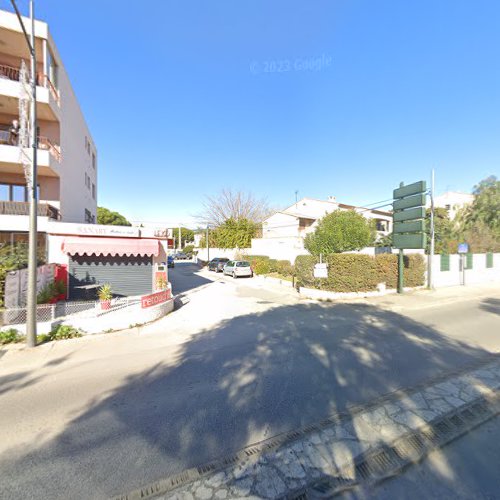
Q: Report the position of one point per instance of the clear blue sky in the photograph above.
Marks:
(185, 97)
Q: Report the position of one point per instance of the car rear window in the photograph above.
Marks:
(223, 260)
(242, 264)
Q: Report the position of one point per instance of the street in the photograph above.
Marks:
(237, 363)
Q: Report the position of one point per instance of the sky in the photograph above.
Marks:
(342, 98)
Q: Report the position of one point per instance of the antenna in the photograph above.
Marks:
(296, 193)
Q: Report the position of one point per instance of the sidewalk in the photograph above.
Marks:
(364, 445)
(423, 298)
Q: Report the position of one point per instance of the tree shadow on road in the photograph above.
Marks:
(248, 379)
(491, 305)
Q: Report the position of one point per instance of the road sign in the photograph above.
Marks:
(417, 200)
(415, 226)
(320, 270)
(463, 248)
(415, 188)
(411, 214)
(415, 240)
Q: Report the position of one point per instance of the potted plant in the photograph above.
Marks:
(105, 295)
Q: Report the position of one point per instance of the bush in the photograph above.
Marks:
(60, 332)
(260, 263)
(285, 268)
(360, 273)
(10, 336)
(188, 249)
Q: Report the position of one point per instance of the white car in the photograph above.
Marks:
(238, 268)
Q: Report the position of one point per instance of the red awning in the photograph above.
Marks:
(82, 245)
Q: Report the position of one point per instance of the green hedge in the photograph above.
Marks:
(261, 264)
(359, 273)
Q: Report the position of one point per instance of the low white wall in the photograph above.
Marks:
(229, 253)
(478, 274)
(278, 248)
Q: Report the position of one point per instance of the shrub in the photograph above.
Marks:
(304, 265)
(60, 332)
(259, 263)
(360, 273)
(188, 249)
(285, 268)
(273, 265)
(10, 336)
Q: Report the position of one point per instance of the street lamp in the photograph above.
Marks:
(31, 185)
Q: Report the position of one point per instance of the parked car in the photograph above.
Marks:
(180, 256)
(237, 268)
(217, 264)
(170, 261)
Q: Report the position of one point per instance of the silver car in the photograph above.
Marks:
(237, 268)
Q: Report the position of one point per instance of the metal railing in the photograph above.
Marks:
(12, 73)
(43, 142)
(78, 310)
(23, 207)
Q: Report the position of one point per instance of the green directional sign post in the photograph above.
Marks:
(408, 221)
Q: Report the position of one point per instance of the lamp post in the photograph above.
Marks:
(31, 184)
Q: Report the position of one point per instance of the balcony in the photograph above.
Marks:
(48, 96)
(44, 143)
(23, 208)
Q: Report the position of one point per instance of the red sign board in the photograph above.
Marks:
(155, 298)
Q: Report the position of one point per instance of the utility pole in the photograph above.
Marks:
(180, 240)
(430, 283)
(208, 248)
(31, 185)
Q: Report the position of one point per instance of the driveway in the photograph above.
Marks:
(237, 363)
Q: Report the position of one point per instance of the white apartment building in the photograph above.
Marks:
(453, 201)
(283, 233)
(67, 156)
(301, 218)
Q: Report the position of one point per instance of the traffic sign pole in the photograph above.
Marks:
(400, 271)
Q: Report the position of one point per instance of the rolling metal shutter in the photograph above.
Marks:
(126, 275)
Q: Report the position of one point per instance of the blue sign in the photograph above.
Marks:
(463, 248)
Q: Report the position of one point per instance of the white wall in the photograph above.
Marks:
(76, 161)
(278, 248)
(478, 274)
(219, 252)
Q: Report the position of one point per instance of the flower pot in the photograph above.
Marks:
(105, 305)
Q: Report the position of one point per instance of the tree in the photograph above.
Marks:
(187, 235)
(339, 231)
(479, 223)
(486, 205)
(109, 218)
(232, 234)
(235, 205)
(443, 231)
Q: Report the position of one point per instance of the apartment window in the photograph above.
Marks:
(15, 192)
(88, 216)
(381, 225)
(93, 191)
(87, 180)
(19, 193)
(93, 161)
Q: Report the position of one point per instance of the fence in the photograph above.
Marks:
(479, 268)
(79, 309)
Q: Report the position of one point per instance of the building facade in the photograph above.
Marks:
(67, 156)
(453, 202)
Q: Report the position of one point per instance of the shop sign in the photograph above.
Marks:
(98, 230)
(155, 298)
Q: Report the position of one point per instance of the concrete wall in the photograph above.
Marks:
(76, 160)
(478, 274)
(219, 252)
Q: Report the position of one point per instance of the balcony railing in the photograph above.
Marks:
(11, 73)
(43, 142)
(23, 208)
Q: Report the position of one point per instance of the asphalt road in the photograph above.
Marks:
(237, 363)
(466, 469)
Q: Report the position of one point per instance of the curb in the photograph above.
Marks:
(364, 443)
